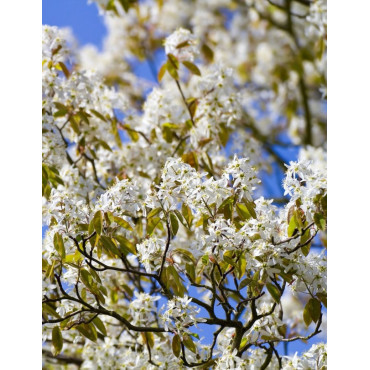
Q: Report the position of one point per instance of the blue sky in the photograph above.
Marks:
(88, 27)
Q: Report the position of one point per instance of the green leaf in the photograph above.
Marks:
(83, 116)
(86, 278)
(243, 211)
(227, 201)
(174, 224)
(109, 244)
(189, 344)
(176, 345)
(312, 311)
(125, 245)
(152, 224)
(172, 66)
(320, 221)
(60, 106)
(195, 335)
(183, 44)
(192, 68)
(187, 255)
(243, 343)
(154, 212)
(64, 69)
(251, 206)
(88, 331)
(305, 237)
(46, 309)
(149, 339)
(175, 281)
(60, 113)
(115, 133)
(187, 214)
(133, 135)
(173, 60)
(98, 222)
(223, 134)
(192, 159)
(167, 134)
(190, 269)
(323, 298)
(100, 325)
(180, 217)
(112, 6)
(274, 291)
(123, 223)
(244, 283)
(57, 340)
(74, 125)
(97, 114)
(293, 226)
(125, 5)
(314, 307)
(307, 316)
(241, 266)
(162, 71)
(59, 245)
(207, 52)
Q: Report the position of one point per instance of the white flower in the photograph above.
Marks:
(185, 53)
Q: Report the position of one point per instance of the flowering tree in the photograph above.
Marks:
(161, 250)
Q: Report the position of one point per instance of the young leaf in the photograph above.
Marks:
(187, 214)
(189, 344)
(174, 224)
(123, 223)
(64, 69)
(307, 316)
(192, 68)
(125, 245)
(59, 245)
(162, 71)
(100, 326)
(183, 44)
(293, 226)
(109, 244)
(152, 224)
(154, 212)
(176, 345)
(88, 331)
(57, 340)
(243, 211)
(172, 71)
(98, 222)
(274, 291)
(320, 221)
(314, 307)
(207, 52)
(97, 114)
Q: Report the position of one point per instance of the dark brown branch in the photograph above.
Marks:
(54, 321)
(62, 358)
(295, 236)
(166, 249)
(290, 251)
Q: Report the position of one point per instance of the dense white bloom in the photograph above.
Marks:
(188, 49)
(180, 315)
(134, 168)
(150, 253)
(142, 308)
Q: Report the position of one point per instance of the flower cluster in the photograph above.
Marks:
(182, 44)
(158, 192)
(180, 315)
(150, 253)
